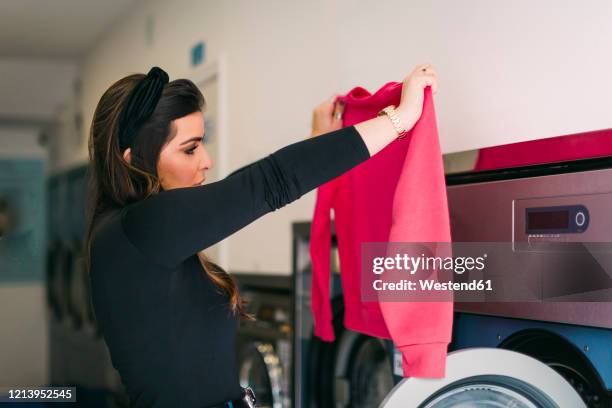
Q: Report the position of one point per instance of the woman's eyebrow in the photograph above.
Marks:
(193, 139)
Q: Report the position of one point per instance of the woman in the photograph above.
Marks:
(168, 314)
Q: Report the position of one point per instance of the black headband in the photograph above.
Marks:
(140, 105)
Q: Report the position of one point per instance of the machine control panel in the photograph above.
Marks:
(539, 223)
(562, 219)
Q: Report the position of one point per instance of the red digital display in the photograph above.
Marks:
(543, 220)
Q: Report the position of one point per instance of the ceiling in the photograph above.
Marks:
(56, 28)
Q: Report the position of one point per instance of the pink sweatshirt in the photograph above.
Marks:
(398, 195)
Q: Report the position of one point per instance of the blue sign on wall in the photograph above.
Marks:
(198, 54)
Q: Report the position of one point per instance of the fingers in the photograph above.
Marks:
(330, 104)
(327, 116)
(430, 70)
(431, 80)
(333, 98)
(338, 111)
(423, 67)
(428, 76)
(335, 107)
(326, 107)
(420, 68)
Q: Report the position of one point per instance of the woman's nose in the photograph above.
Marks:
(206, 162)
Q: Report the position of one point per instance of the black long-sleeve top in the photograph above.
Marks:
(169, 331)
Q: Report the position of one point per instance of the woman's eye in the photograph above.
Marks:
(190, 151)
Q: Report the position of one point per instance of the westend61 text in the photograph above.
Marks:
(430, 284)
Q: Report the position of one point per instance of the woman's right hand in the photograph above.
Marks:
(411, 104)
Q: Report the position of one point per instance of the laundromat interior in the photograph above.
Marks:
(336, 139)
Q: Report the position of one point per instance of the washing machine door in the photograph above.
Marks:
(260, 368)
(487, 377)
(363, 371)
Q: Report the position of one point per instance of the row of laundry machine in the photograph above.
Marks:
(78, 355)
(264, 345)
(536, 199)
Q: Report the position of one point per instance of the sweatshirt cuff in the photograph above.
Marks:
(424, 360)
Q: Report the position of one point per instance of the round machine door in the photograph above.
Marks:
(487, 377)
(261, 369)
(363, 371)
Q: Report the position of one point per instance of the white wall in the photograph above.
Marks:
(32, 88)
(39, 96)
(509, 71)
(21, 142)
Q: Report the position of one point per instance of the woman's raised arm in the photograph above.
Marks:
(175, 224)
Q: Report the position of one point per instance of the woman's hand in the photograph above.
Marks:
(378, 132)
(411, 105)
(327, 116)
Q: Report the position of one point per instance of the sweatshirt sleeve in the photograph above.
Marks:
(421, 329)
(175, 224)
(320, 251)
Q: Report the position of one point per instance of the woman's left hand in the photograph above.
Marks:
(327, 116)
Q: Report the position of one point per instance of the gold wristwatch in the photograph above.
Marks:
(395, 120)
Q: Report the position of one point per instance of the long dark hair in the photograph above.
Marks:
(115, 183)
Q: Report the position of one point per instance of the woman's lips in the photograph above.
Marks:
(200, 183)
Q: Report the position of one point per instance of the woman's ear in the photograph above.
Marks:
(127, 155)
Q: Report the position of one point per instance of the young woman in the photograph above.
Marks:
(168, 314)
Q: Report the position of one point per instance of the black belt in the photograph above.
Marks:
(247, 400)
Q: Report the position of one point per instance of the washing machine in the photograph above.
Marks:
(539, 199)
(263, 346)
(77, 352)
(355, 370)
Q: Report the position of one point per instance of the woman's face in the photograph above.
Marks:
(183, 161)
